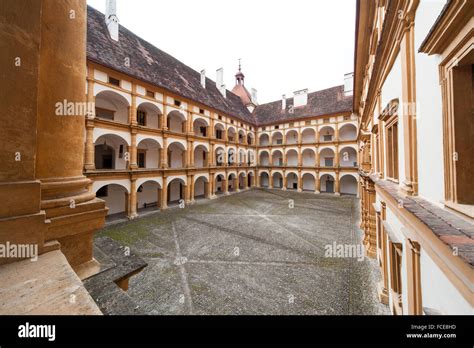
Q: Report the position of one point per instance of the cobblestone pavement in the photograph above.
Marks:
(255, 252)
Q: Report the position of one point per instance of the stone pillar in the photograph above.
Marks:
(191, 154)
(132, 206)
(337, 190)
(300, 157)
(285, 181)
(336, 133)
(212, 187)
(236, 184)
(164, 194)
(158, 197)
(317, 184)
(270, 180)
(336, 157)
(190, 199)
(372, 224)
(246, 182)
(185, 159)
(132, 116)
(45, 197)
(408, 114)
(300, 181)
(318, 158)
(284, 158)
(225, 188)
(164, 154)
(299, 137)
(89, 159)
(133, 150)
(258, 179)
(164, 118)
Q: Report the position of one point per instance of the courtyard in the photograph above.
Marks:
(254, 252)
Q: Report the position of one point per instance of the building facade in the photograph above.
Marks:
(162, 134)
(413, 94)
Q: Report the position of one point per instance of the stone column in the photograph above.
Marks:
(191, 154)
(164, 194)
(337, 190)
(133, 150)
(132, 206)
(318, 158)
(89, 159)
(164, 154)
(132, 117)
(212, 188)
(300, 157)
(300, 182)
(236, 184)
(164, 117)
(270, 179)
(258, 179)
(190, 198)
(45, 196)
(372, 224)
(211, 156)
(285, 181)
(185, 159)
(408, 113)
(336, 157)
(317, 184)
(224, 186)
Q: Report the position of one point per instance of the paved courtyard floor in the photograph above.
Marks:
(255, 252)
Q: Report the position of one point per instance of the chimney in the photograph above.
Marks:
(283, 102)
(253, 93)
(111, 19)
(300, 98)
(220, 81)
(348, 84)
(203, 78)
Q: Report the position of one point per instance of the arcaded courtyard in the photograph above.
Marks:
(255, 252)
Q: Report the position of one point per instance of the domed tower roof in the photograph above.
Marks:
(239, 88)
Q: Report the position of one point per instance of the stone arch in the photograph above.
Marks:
(149, 115)
(176, 121)
(111, 152)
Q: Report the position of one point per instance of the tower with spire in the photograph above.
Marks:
(239, 89)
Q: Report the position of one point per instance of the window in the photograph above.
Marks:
(219, 117)
(414, 279)
(219, 134)
(264, 128)
(292, 124)
(104, 113)
(326, 120)
(232, 121)
(327, 137)
(141, 158)
(103, 192)
(389, 119)
(458, 131)
(347, 118)
(177, 103)
(203, 131)
(328, 162)
(141, 117)
(396, 276)
(392, 149)
(114, 81)
(201, 111)
(308, 123)
(277, 127)
(241, 124)
(150, 94)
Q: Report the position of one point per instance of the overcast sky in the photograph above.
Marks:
(285, 45)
